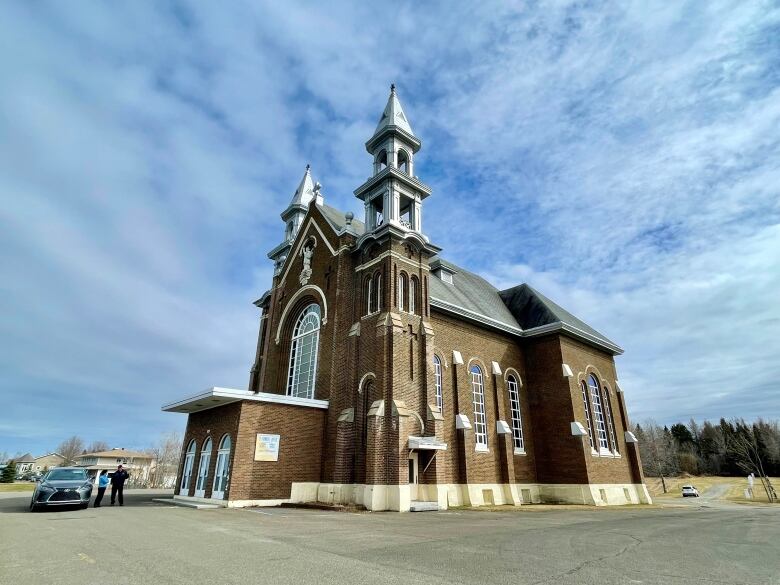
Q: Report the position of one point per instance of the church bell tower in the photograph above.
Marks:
(393, 195)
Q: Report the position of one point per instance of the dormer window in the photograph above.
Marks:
(445, 276)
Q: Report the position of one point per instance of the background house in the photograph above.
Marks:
(137, 464)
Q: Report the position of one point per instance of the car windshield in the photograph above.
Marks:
(66, 474)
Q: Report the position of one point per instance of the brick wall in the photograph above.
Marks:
(300, 450)
(213, 423)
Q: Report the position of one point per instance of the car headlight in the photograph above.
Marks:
(46, 488)
(86, 486)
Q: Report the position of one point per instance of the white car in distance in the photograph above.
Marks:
(689, 491)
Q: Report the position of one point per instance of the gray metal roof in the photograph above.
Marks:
(533, 310)
(393, 115)
(338, 220)
(471, 296)
(304, 194)
(521, 310)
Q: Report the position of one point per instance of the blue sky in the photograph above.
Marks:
(620, 157)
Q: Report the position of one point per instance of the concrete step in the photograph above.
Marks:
(418, 506)
(186, 504)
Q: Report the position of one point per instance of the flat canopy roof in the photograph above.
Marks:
(216, 396)
(427, 443)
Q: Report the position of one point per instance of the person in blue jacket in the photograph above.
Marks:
(102, 485)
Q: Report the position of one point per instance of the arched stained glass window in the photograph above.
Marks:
(186, 473)
(303, 353)
(610, 420)
(598, 412)
(514, 406)
(480, 421)
(584, 388)
(437, 382)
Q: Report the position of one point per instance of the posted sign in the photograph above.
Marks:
(267, 448)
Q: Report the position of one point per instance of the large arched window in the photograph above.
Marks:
(437, 382)
(610, 419)
(203, 469)
(186, 472)
(303, 353)
(480, 422)
(221, 469)
(584, 388)
(598, 413)
(514, 406)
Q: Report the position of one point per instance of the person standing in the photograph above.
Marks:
(102, 485)
(118, 484)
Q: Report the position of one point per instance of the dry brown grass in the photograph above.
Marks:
(736, 486)
(16, 487)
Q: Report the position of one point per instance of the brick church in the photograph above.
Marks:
(389, 377)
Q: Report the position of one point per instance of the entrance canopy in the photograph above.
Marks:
(214, 397)
(427, 444)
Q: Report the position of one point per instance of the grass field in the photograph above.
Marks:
(16, 487)
(735, 487)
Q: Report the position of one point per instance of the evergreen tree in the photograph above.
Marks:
(9, 472)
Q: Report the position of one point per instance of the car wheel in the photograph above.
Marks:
(33, 507)
(84, 506)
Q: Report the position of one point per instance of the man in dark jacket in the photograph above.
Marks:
(118, 484)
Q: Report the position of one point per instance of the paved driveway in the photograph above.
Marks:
(150, 543)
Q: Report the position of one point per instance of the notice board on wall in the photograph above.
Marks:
(267, 447)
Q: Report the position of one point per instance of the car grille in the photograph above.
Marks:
(64, 495)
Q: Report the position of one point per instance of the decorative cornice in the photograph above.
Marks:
(394, 173)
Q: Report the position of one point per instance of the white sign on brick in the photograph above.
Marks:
(267, 448)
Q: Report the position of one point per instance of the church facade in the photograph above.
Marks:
(390, 378)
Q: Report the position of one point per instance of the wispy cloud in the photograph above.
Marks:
(621, 158)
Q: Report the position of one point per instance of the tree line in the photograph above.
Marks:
(729, 448)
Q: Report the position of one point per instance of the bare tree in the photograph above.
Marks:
(166, 454)
(3, 457)
(70, 449)
(96, 446)
(657, 450)
(745, 446)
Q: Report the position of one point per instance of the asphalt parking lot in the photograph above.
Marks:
(145, 542)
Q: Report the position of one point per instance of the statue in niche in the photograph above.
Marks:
(307, 253)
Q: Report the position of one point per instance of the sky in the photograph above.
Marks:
(623, 158)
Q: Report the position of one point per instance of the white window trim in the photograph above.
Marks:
(438, 383)
(478, 400)
(598, 411)
(517, 421)
(520, 452)
(412, 295)
(222, 452)
(203, 470)
(586, 403)
(292, 372)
